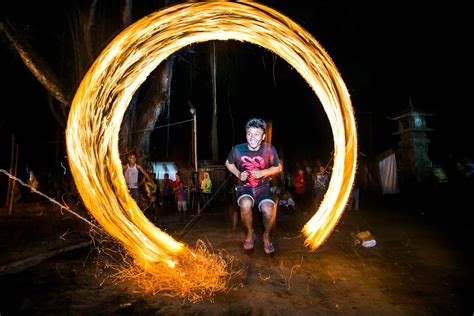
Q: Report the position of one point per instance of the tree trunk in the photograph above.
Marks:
(140, 117)
(214, 139)
(40, 70)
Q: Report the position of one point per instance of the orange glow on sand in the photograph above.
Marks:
(107, 89)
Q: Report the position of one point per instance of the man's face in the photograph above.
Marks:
(255, 136)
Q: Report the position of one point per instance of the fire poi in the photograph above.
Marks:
(105, 92)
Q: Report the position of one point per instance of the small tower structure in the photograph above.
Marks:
(415, 167)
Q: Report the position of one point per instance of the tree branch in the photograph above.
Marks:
(36, 65)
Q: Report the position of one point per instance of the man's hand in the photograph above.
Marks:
(244, 175)
(257, 174)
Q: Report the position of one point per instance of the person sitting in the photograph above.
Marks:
(286, 201)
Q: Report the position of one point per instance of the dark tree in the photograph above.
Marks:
(91, 26)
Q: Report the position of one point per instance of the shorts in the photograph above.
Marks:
(182, 206)
(259, 195)
(134, 193)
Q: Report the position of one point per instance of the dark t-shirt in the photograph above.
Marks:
(167, 187)
(247, 160)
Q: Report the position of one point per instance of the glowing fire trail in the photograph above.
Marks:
(106, 90)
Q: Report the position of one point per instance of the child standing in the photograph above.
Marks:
(181, 198)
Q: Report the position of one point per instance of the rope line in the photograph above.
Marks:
(161, 126)
(198, 216)
(138, 131)
(63, 207)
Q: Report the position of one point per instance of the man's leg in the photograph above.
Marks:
(269, 215)
(247, 216)
(134, 193)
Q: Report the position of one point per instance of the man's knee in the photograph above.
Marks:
(267, 209)
(246, 205)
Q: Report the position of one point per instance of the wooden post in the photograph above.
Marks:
(7, 202)
(12, 192)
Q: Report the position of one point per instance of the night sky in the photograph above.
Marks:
(386, 54)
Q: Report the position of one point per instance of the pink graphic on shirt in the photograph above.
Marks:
(251, 164)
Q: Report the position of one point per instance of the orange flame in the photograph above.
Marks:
(107, 89)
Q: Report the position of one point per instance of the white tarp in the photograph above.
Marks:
(388, 175)
(162, 167)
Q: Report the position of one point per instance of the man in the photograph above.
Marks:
(130, 171)
(253, 163)
(168, 191)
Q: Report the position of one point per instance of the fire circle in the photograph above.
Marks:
(107, 89)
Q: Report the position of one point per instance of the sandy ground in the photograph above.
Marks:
(421, 265)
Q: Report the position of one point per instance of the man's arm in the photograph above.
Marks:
(233, 169)
(144, 173)
(266, 172)
(257, 174)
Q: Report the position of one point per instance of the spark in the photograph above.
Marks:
(107, 89)
(195, 279)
